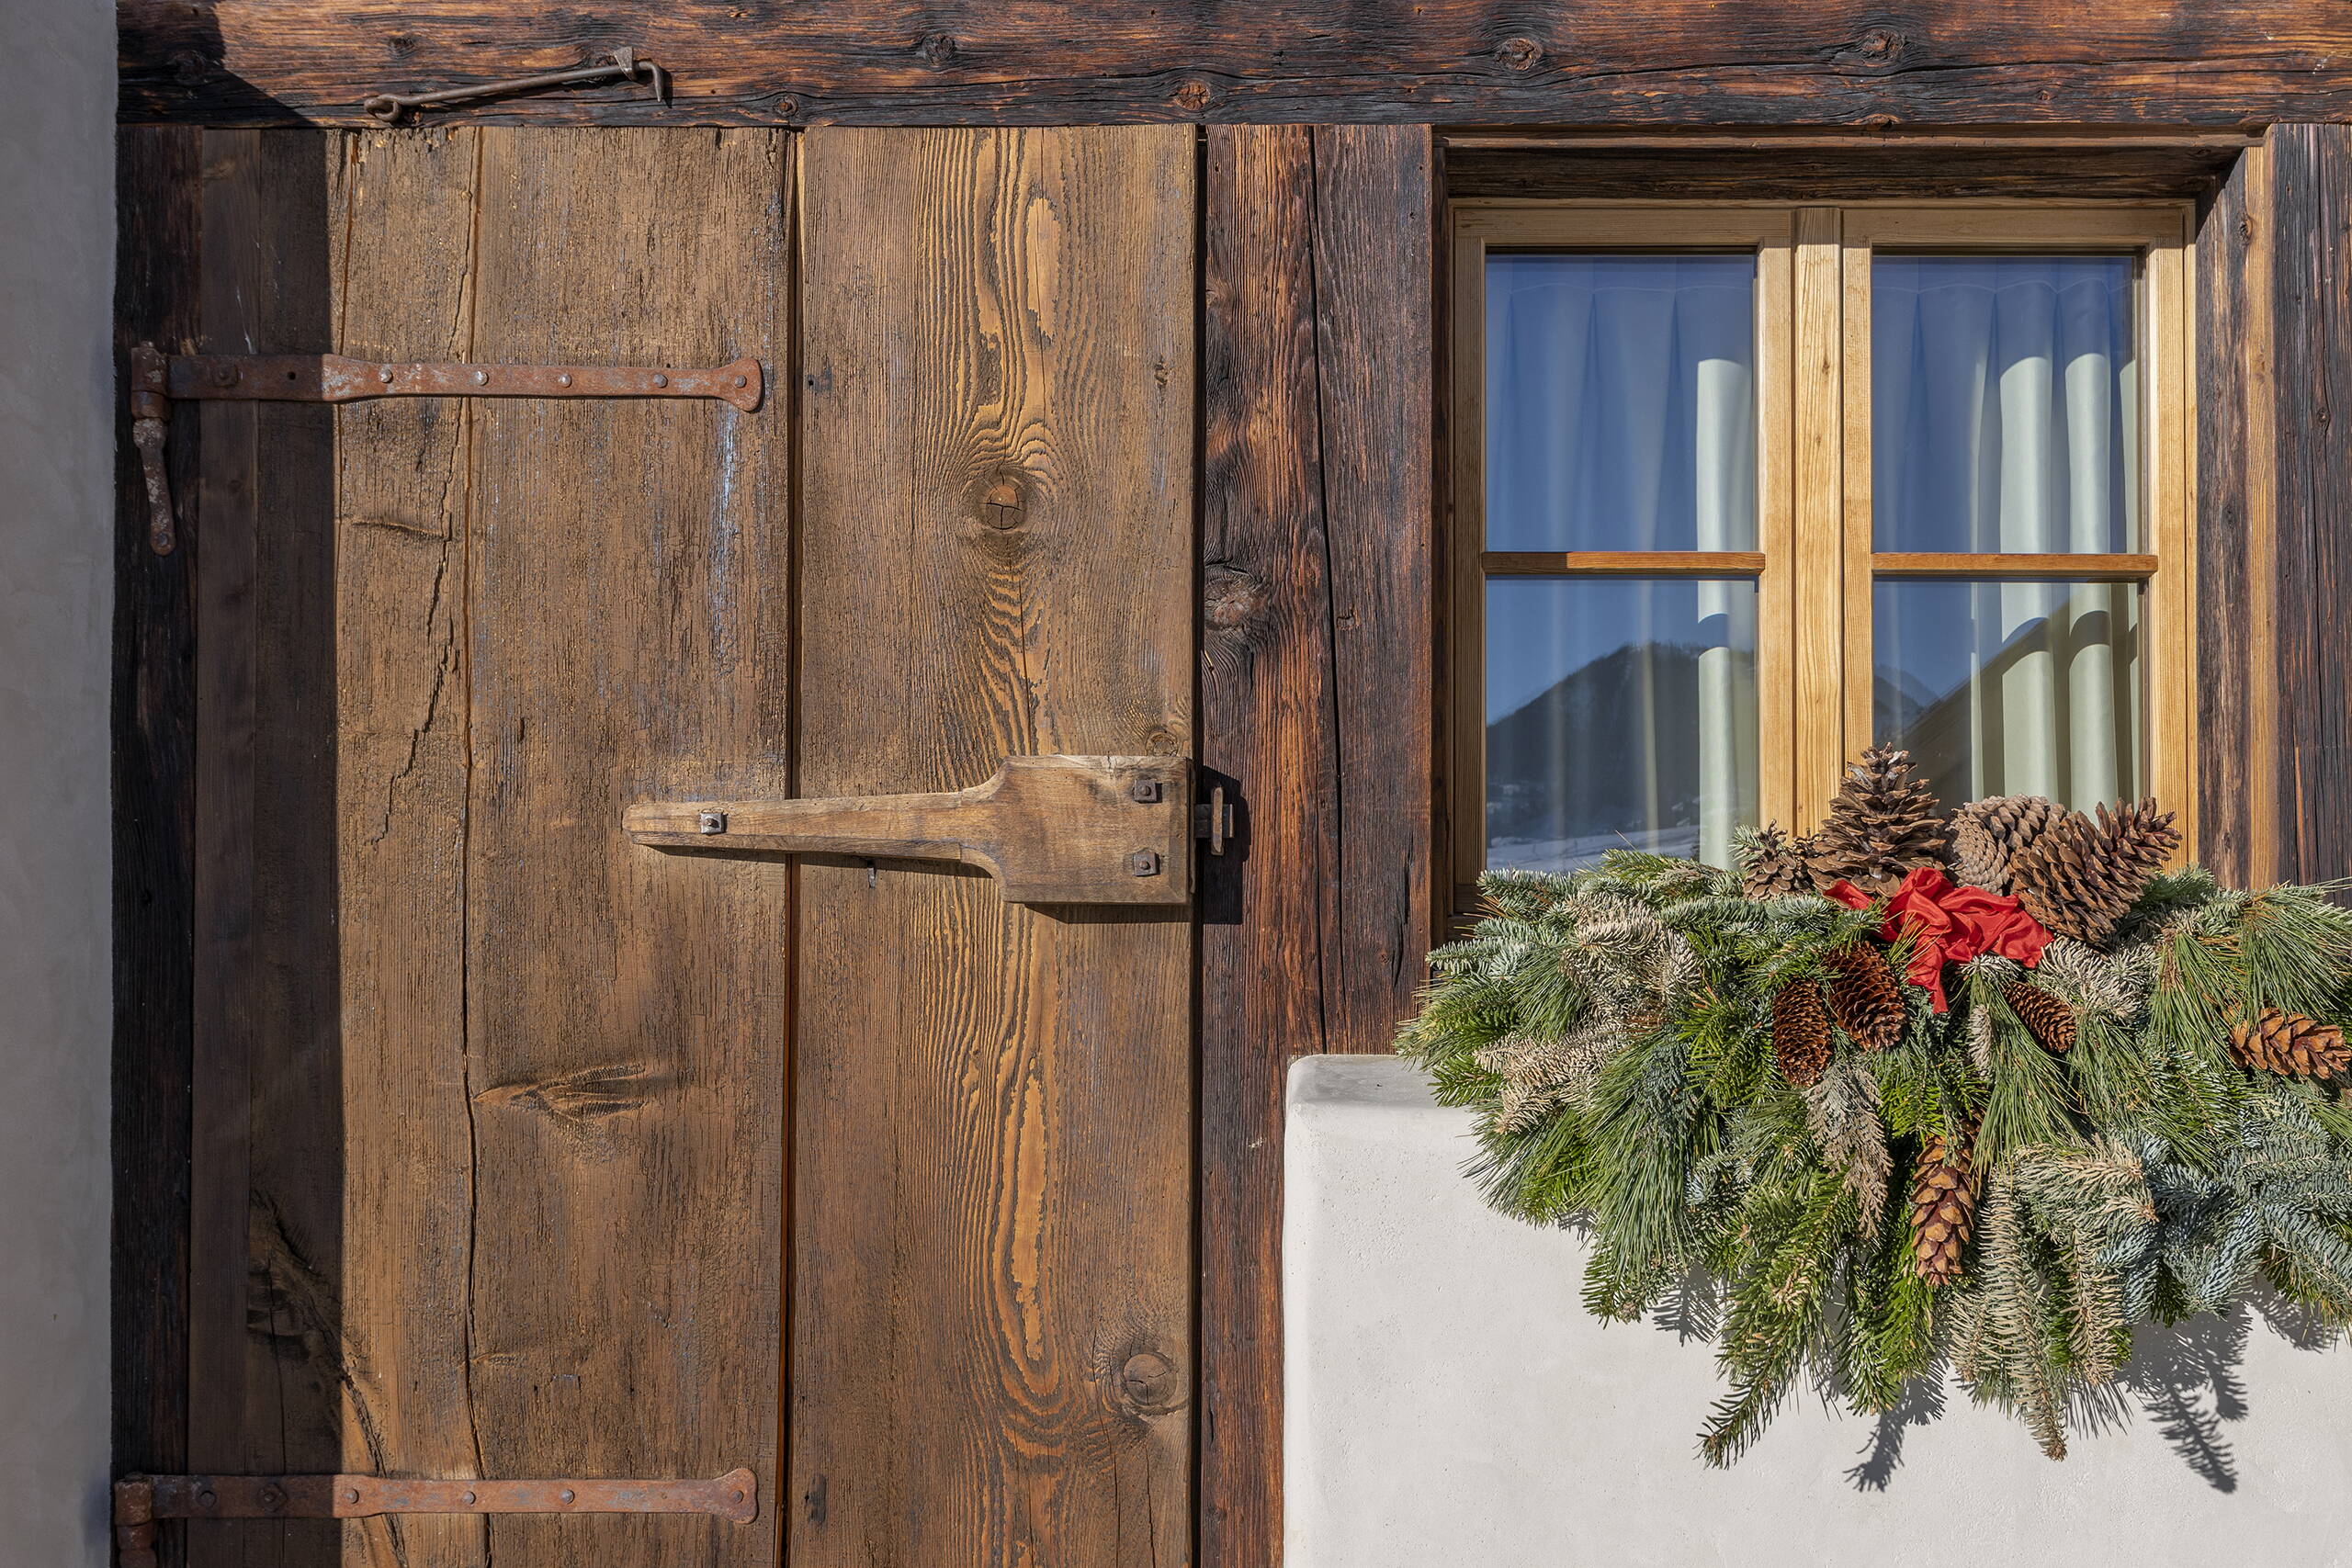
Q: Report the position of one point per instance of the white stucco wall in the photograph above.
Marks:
(1449, 1404)
(56, 521)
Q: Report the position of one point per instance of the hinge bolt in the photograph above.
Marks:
(711, 822)
(1144, 791)
(1143, 862)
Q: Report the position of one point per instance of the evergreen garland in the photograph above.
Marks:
(2088, 1137)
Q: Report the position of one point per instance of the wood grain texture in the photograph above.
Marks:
(409, 269)
(2237, 494)
(991, 1344)
(159, 240)
(267, 1221)
(1673, 62)
(2312, 175)
(1318, 687)
(1862, 172)
(626, 629)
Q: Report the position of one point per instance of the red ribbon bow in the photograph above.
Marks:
(1954, 925)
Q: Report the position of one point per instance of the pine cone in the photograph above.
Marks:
(1976, 857)
(1864, 996)
(2292, 1045)
(1943, 1209)
(2010, 823)
(2079, 877)
(1882, 824)
(1774, 867)
(2047, 1017)
(1800, 1034)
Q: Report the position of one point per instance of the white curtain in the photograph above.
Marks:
(2005, 418)
(1620, 416)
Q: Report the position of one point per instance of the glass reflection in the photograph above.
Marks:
(1620, 712)
(2013, 688)
(2004, 404)
(1621, 410)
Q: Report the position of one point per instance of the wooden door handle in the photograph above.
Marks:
(1050, 829)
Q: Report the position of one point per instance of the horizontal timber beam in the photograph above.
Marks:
(1850, 62)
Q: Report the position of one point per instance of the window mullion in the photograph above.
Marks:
(1823, 639)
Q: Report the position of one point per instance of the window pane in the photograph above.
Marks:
(1621, 408)
(1619, 712)
(2004, 404)
(2013, 688)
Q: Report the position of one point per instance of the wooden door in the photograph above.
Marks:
(513, 1145)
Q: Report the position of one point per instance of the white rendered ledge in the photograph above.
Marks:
(1449, 1404)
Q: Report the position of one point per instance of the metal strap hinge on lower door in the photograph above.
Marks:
(159, 380)
(140, 1500)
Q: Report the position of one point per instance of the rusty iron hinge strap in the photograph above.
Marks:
(159, 380)
(621, 65)
(140, 1500)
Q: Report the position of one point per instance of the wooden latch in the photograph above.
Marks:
(140, 1500)
(1050, 829)
(159, 380)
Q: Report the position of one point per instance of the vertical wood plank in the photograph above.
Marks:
(158, 246)
(625, 632)
(991, 1349)
(409, 1194)
(1317, 692)
(265, 1220)
(2237, 494)
(2312, 175)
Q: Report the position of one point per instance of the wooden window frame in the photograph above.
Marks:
(1814, 564)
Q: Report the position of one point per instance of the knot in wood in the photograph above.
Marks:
(1520, 53)
(937, 50)
(1148, 1383)
(1194, 95)
(1232, 601)
(1879, 44)
(1003, 505)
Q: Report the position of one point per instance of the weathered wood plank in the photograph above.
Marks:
(2237, 494)
(896, 62)
(991, 1349)
(267, 1221)
(2311, 175)
(158, 246)
(409, 1256)
(624, 634)
(1318, 690)
(1850, 173)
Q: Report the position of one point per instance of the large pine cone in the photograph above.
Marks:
(1864, 996)
(1774, 867)
(1800, 1034)
(2079, 877)
(1976, 859)
(1943, 1209)
(2047, 1017)
(2292, 1045)
(1882, 824)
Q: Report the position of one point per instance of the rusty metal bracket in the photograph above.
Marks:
(1050, 829)
(621, 65)
(159, 380)
(140, 1500)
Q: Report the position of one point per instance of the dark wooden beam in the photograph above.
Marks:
(159, 238)
(1850, 62)
(2311, 263)
(1848, 172)
(1318, 700)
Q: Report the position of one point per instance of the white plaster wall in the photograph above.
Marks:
(56, 521)
(1449, 1404)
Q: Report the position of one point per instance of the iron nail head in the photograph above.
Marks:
(384, 374)
(1144, 791)
(481, 378)
(1143, 862)
(351, 1494)
(659, 379)
(567, 1494)
(470, 1499)
(564, 380)
(710, 822)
